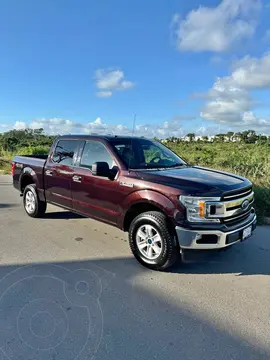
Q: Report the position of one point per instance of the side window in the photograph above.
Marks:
(95, 151)
(64, 152)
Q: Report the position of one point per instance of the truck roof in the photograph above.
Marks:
(98, 137)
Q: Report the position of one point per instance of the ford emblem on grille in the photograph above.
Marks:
(245, 204)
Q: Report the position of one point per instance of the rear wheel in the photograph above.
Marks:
(32, 205)
(152, 242)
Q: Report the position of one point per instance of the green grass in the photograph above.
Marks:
(5, 166)
(249, 160)
(7, 156)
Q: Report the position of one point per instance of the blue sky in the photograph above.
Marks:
(90, 65)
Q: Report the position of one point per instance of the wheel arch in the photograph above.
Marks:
(29, 176)
(145, 201)
(26, 179)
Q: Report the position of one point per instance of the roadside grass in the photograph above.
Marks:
(7, 156)
(5, 166)
(262, 202)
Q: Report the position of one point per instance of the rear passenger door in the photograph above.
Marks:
(58, 172)
(95, 196)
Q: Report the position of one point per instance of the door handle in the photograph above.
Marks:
(49, 172)
(77, 178)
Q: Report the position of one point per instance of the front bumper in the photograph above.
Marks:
(212, 239)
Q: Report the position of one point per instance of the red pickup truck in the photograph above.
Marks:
(142, 187)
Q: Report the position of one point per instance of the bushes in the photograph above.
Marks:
(34, 150)
(249, 160)
(13, 140)
(262, 201)
(22, 142)
(5, 166)
(7, 156)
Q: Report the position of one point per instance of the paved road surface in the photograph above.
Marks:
(70, 289)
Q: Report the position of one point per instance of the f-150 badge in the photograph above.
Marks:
(123, 183)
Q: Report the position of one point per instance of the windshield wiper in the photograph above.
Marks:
(160, 167)
(175, 165)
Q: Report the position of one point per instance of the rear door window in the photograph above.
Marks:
(65, 151)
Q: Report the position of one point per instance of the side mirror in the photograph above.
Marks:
(56, 158)
(101, 168)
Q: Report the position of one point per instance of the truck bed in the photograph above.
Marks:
(36, 163)
(44, 157)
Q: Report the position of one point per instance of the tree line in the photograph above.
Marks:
(12, 140)
(15, 139)
(247, 137)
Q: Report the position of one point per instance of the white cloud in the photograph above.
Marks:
(110, 80)
(96, 126)
(58, 126)
(226, 103)
(251, 73)
(230, 101)
(216, 28)
(251, 120)
(55, 126)
(19, 125)
(201, 130)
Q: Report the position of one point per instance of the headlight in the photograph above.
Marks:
(198, 208)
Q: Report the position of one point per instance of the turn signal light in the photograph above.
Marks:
(202, 209)
(12, 168)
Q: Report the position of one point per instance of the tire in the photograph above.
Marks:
(32, 205)
(153, 223)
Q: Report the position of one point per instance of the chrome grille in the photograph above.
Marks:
(233, 208)
(237, 219)
(233, 195)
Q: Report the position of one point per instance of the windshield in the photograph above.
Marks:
(146, 154)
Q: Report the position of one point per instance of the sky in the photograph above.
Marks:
(155, 68)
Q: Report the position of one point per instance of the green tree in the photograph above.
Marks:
(220, 137)
(230, 135)
(262, 139)
(191, 136)
(15, 139)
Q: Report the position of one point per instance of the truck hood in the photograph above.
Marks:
(196, 180)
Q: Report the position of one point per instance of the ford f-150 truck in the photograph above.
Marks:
(142, 187)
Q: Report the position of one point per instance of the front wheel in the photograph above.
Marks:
(152, 242)
(32, 205)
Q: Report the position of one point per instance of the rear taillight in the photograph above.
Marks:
(12, 168)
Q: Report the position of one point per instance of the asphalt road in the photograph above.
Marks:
(70, 289)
